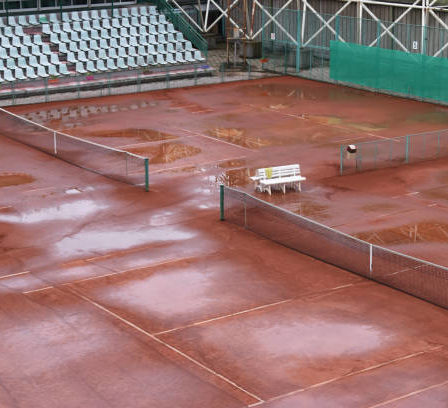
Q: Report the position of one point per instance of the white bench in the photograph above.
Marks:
(278, 177)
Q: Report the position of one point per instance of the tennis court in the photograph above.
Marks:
(146, 299)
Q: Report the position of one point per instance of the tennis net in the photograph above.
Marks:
(107, 161)
(414, 276)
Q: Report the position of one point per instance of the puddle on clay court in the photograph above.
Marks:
(238, 137)
(430, 117)
(166, 152)
(380, 207)
(311, 210)
(335, 120)
(15, 179)
(234, 178)
(149, 135)
(407, 234)
(232, 163)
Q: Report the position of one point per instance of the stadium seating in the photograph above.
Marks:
(87, 42)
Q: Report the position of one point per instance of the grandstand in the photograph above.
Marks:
(53, 45)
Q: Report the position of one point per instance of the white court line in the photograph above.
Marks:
(196, 165)
(409, 395)
(136, 144)
(214, 139)
(374, 367)
(214, 319)
(14, 274)
(38, 189)
(170, 347)
(166, 262)
(38, 290)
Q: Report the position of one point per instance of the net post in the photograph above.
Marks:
(55, 146)
(370, 260)
(146, 174)
(221, 202)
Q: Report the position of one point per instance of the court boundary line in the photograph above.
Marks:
(168, 346)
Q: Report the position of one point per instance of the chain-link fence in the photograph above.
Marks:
(395, 151)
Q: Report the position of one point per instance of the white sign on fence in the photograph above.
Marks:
(415, 45)
(272, 36)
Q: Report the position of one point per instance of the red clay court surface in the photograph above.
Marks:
(113, 297)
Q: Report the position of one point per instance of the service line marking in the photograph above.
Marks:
(38, 290)
(214, 139)
(214, 319)
(165, 344)
(14, 274)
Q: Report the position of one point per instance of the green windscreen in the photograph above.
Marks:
(397, 71)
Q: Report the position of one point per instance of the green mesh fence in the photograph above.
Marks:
(398, 58)
(397, 71)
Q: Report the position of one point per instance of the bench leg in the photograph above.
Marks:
(269, 190)
(300, 187)
(284, 188)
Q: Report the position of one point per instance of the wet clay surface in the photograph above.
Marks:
(111, 296)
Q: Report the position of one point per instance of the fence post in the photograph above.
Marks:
(221, 202)
(245, 215)
(378, 33)
(407, 149)
(341, 160)
(146, 174)
(299, 30)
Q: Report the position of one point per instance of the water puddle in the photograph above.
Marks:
(166, 152)
(335, 339)
(407, 234)
(232, 163)
(67, 211)
(380, 207)
(238, 137)
(234, 178)
(15, 179)
(86, 241)
(312, 210)
(335, 120)
(430, 117)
